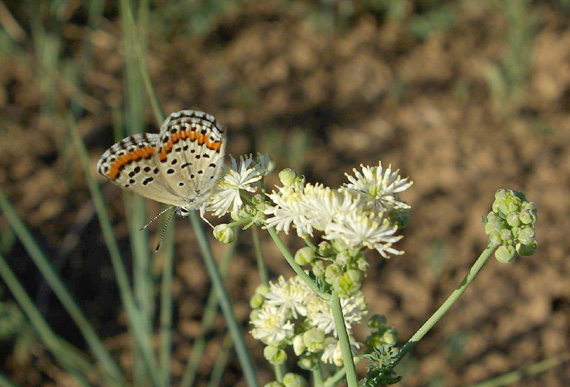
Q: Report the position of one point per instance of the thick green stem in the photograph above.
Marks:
(217, 282)
(298, 269)
(448, 303)
(351, 377)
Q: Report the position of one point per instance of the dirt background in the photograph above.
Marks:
(464, 97)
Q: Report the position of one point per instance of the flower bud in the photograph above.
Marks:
(362, 264)
(342, 258)
(527, 217)
(224, 233)
(326, 249)
(505, 253)
(308, 362)
(526, 235)
(293, 380)
(304, 256)
(314, 340)
(390, 337)
(288, 177)
(526, 250)
(274, 384)
(274, 355)
(513, 219)
(319, 268)
(256, 301)
(506, 234)
(262, 289)
(299, 346)
(331, 273)
(348, 282)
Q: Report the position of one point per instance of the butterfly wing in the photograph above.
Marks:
(190, 154)
(132, 164)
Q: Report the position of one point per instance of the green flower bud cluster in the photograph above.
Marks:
(335, 267)
(290, 379)
(381, 333)
(511, 225)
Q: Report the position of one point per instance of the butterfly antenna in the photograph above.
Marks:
(164, 231)
(156, 217)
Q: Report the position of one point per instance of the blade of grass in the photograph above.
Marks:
(221, 362)
(74, 365)
(167, 253)
(60, 290)
(134, 318)
(208, 316)
(136, 213)
(225, 303)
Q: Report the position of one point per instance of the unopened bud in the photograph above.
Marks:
(224, 233)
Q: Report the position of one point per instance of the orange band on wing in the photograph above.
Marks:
(193, 135)
(135, 155)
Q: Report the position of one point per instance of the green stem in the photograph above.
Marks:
(317, 376)
(298, 269)
(448, 303)
(165, 353)
(279, 370)
(221, 363)
(217, 282)
(259, 256)
(533, 369)
(210, 311)
(351, 377)
(310, 244)
(335, 379)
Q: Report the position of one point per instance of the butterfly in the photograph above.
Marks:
(180, 166)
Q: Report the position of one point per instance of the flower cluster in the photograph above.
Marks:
(289, 313)
(364, 213)
(510, 225)
(359, 214)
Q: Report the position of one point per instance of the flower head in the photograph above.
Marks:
(226, 196)
(364, 229)
(271, 326)
(289, 296)
(379, 188)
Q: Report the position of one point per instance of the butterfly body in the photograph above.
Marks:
(180, 166)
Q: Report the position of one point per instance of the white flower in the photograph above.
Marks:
(271, 326)
(226, 196)
(379, 188)
(333, 354)
(319, 313)
(289, 296)
(323, 204)
(358, 228)
(288, 210)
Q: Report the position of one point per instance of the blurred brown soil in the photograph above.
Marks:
(366, 92)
